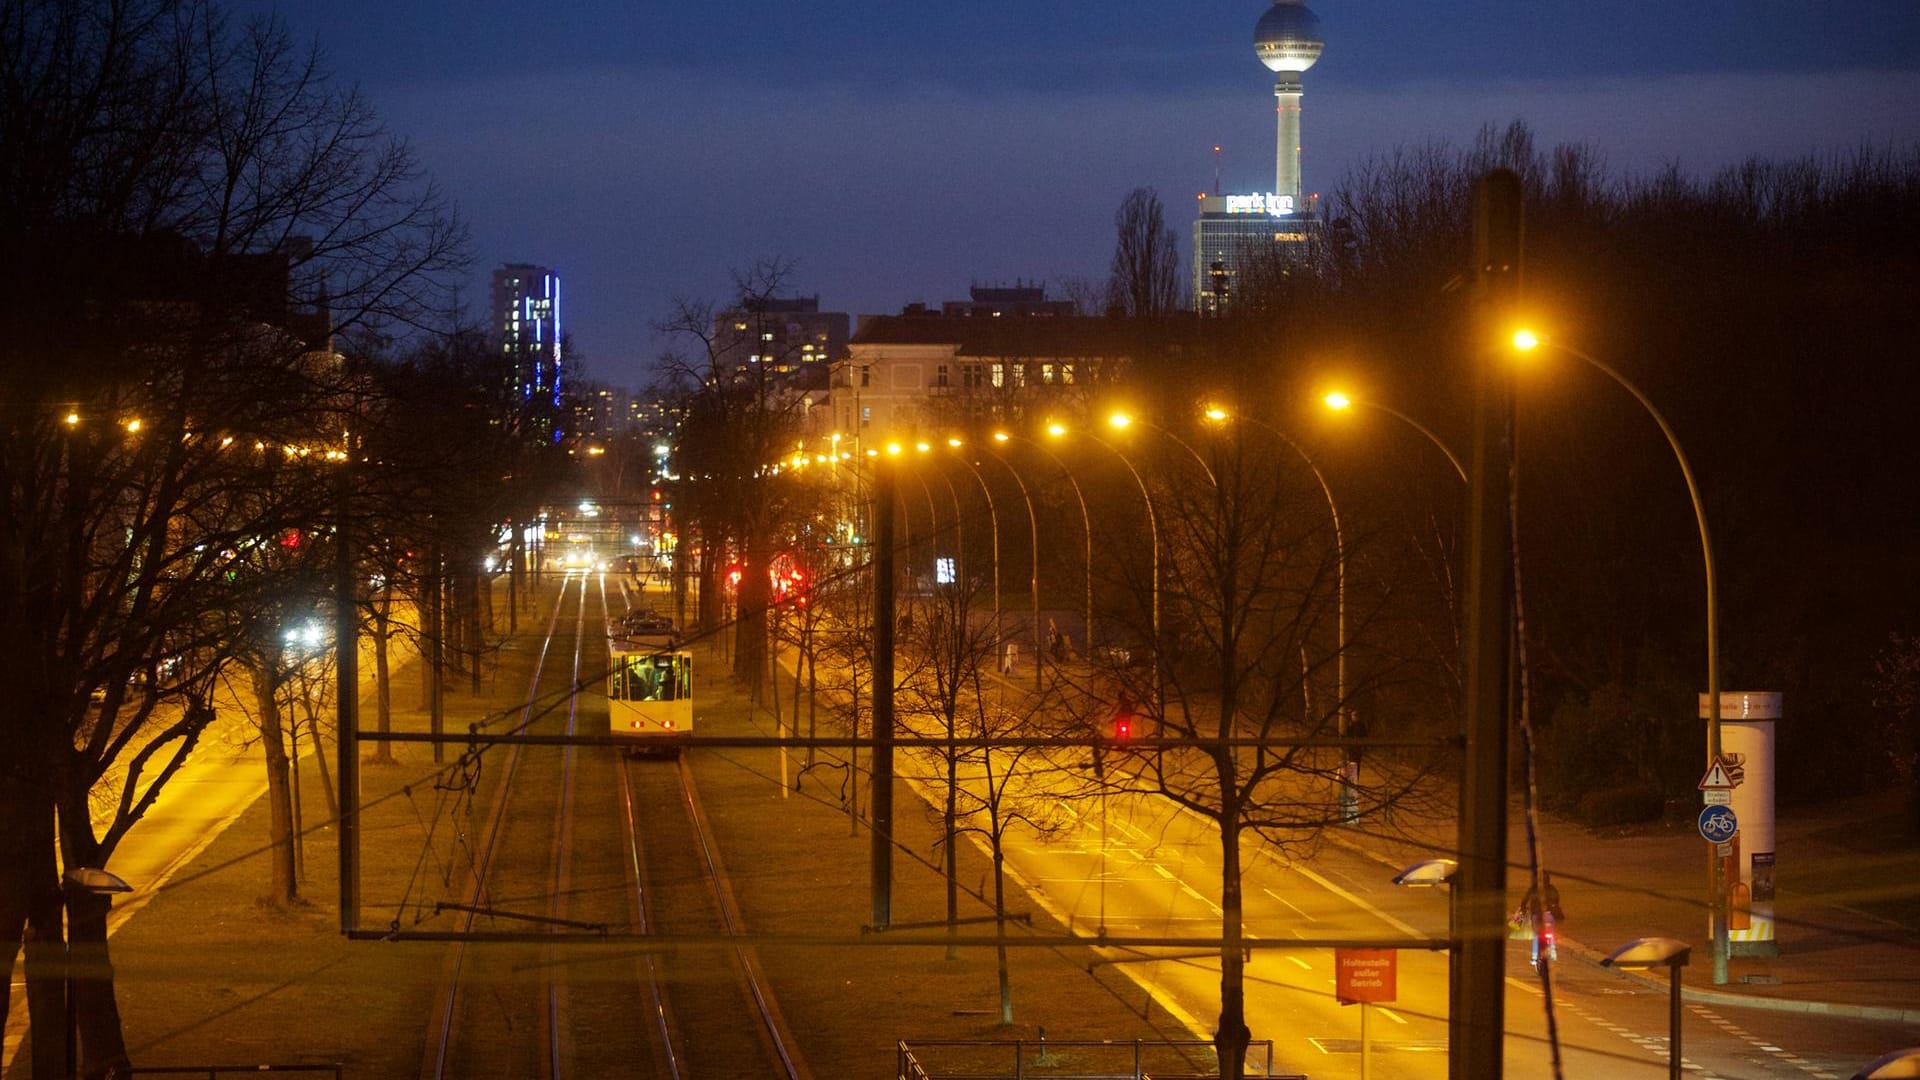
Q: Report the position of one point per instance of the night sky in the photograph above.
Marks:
(901, 151)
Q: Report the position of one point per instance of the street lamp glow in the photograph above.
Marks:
(1120, 420)
(1337, 401)
(1215, 413)
(73, 418)
(133, 425)
(1056, 430)
(923, 447)
(893, 449)
(1001, 436)
(1525, 340)
(954, 442)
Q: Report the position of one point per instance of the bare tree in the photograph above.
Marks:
(173, 189)
(1145, 278)
(739, 423)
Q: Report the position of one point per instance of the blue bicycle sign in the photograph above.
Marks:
(1717, 824)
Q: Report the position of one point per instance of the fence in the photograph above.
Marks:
(1058, 1059)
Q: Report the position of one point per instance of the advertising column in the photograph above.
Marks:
(1747, 720)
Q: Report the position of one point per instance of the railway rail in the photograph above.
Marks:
(576, 841)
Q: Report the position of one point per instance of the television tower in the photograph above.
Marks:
(1288, 40)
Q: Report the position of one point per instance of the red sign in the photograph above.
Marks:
(1365, 975)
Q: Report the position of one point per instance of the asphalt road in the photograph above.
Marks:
(1139, 865)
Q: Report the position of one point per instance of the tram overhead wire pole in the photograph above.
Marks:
(1477, 1017)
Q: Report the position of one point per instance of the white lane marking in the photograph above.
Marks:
(1296, 907)
(1163, 871)
(1390, 1014)
(1304, 966)
(1405, 928)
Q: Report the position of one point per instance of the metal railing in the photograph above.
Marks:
(1062, 1059)
(213, 1072)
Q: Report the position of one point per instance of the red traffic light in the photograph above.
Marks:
(1123, 721)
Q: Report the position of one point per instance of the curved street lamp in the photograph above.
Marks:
(1033, 533)
(1339, 401)
(1524, 341)
(1086, 523)
(1057, 430)
(1349, 798)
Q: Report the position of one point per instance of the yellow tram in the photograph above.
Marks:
(650, 694)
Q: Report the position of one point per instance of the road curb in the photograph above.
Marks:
(1703, 995)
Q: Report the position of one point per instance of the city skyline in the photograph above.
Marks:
(898, 164)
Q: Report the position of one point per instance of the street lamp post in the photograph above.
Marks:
(1339, 401)
(1033, 534)
(1645, 954)
(1717, 888)
(1349, 772)
(1153, 531)
(1086, 524)
(993, 518)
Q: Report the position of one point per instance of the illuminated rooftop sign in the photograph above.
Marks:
(1272, 204)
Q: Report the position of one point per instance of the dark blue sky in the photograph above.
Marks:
(900, 151)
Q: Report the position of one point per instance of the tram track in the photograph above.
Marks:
(475, 1015)
(573, 840)
(712, 995)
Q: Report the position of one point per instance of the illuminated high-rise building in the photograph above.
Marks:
(1234, 232)
(526, 324)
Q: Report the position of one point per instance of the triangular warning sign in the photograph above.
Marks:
(1716, 778)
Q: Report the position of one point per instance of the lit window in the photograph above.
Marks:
(999, 377)
(1046, 373)
(1066, 373)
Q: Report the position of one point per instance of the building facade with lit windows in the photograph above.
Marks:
(787, 337)
(919, 373)
(526, 327)
(1237, 238)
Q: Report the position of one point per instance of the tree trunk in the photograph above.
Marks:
(1000, 926)
(709, 618)
(38, 880)
(1231, 1041)
(951, 822)
(383, 675)
(320, 763)
(279, 792)
(15, 849)
(476, 638)
(750, 621)
(96, 1012)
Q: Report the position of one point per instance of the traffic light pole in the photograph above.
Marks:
(883, 607)
(1477, 1019)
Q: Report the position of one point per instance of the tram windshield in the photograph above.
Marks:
(652, 677)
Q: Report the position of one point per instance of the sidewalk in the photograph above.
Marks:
(1620, 884)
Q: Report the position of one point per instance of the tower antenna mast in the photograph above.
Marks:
(1288, 41)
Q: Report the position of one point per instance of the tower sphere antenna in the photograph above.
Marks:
(1287, 37)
